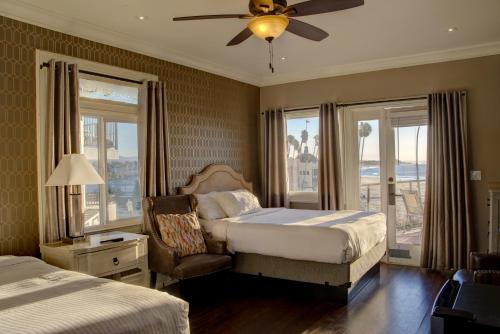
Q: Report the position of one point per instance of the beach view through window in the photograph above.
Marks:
(410, 171)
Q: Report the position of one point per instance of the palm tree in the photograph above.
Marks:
(304, 136)
(316, 145)
(416, 161)
(291, 139)
(296, 146)
(364, 130)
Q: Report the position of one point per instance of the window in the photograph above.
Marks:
(303, 149)
(101, 90)
(370, 192)
(110, 143)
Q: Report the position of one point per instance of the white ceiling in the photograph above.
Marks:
(381, 34)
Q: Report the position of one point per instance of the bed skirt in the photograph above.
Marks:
(345, 275)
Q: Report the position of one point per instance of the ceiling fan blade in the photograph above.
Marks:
(241, 37)
(212, 17)
(306, 30)
(313, 7)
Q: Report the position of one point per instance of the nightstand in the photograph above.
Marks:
(125, 261)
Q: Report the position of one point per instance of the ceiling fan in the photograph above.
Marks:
(270, 18)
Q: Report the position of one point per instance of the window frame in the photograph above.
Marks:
(42, 102)
(110, 111)
(309, 197)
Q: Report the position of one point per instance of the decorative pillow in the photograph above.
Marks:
(208, 208)
(237, 203)
(183, 233)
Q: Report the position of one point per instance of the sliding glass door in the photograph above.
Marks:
(385, 164)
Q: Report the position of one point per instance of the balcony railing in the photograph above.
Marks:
(90, 133)
(372, 190)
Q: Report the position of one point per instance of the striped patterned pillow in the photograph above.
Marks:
(182, 233)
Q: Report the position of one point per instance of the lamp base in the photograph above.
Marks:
(75, 225)
(74, 240)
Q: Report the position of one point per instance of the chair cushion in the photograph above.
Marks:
(464, 276)
(182, 233)
(200, 265)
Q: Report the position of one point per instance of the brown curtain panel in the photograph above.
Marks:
(329, 178)
(62, 133)
(156, 162)
(275, 179)
(447, 231)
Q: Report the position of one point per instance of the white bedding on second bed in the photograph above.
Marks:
(311, 235)
(38, 298)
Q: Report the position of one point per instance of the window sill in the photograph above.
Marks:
(121, 224)
(303, 197)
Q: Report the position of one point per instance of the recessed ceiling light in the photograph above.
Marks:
(452, 29)
(283, 58)
(141, 17)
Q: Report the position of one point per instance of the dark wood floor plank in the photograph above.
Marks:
(398, 301)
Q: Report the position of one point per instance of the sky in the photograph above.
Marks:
(407, 139)
(127, 140)
(295, 127)
(407, 142)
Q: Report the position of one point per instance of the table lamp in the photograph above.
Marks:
(74, 170)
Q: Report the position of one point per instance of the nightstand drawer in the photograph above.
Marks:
(108, 261)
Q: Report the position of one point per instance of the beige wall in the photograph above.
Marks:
(480, 76)
(212, 120)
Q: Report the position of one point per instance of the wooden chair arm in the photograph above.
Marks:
(216, 246)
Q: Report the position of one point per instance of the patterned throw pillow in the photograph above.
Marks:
(183, 233)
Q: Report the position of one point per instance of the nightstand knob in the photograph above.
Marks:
(116, 261)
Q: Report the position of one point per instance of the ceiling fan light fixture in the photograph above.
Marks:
(268, 27)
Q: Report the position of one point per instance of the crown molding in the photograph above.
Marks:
(19, 10)
(473, 51)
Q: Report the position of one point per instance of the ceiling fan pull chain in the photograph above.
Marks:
(271, 56)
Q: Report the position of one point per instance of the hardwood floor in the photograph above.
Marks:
(399, 301)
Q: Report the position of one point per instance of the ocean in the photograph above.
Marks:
(404, 172)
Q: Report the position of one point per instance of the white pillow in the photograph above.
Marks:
(208, 208)
(237, 203)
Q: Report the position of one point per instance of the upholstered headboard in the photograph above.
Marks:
(215, 178)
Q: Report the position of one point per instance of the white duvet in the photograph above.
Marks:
(311, 235)
(38, 298)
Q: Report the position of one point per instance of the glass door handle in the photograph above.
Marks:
(392, 193)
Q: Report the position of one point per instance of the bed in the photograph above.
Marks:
(38, 298)
(340, 249)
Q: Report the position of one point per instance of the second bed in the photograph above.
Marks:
(333, 248)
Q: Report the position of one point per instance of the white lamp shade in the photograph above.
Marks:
(73, 170)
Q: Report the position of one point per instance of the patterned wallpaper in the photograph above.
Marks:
(212, 120)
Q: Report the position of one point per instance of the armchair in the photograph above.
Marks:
(163, 259)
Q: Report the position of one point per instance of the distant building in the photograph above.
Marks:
(303, 172)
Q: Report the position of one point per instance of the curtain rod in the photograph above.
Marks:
(348, 104)
(285, 110)
(413, 98)
(301, 108)
(100, 75)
